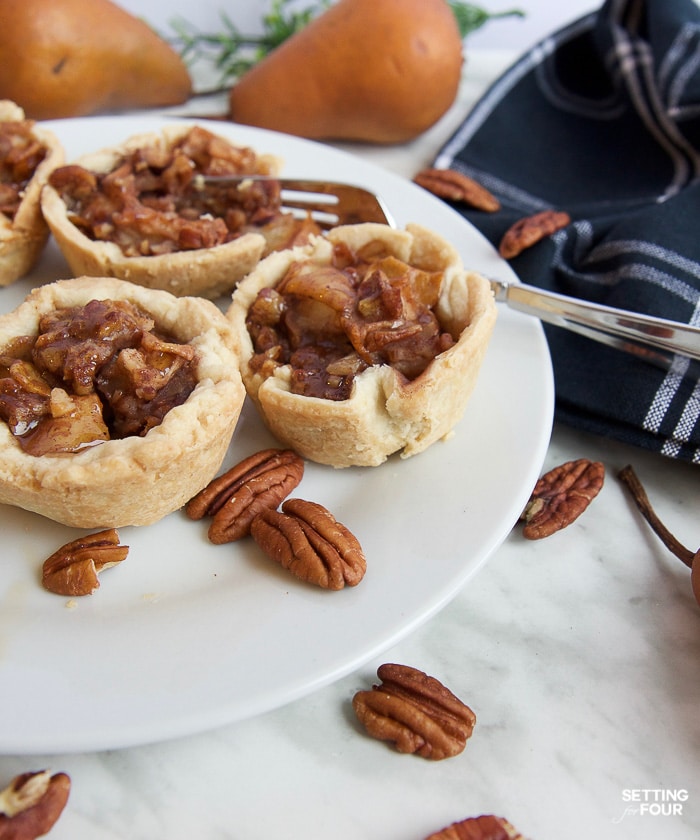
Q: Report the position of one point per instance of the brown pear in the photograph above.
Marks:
(69, 58)
(381, 71)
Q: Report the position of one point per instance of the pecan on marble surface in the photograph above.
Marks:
(255, 484)
(530, 230)
(306, 539)
(561, 496)
(31, 804)
(74, 568)
(455, 186)
(485, 827)
(415, 711)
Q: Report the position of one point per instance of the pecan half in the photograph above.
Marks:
(528, 231)
(455, 186)
(416, 712)
(31, 804)
(74, 568)
(561, 496)
(235, 498)
(306, 539)
(485, 827)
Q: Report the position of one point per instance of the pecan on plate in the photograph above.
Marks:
(455, 186)
(74, 568)
(415, 711)
(31, 804)
(485, 827)
(306, 539)
(561, 496)
(255, 484)
(528, 231)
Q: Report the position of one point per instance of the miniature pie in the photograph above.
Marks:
(28, 153)
(364, 343)
(142, 211)
(117, 403)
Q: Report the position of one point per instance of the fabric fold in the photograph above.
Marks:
(602, 119)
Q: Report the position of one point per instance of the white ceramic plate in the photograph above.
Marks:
(185, 636)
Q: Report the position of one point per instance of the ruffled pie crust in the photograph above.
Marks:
(23, 238)
(384, 414)
(134, 480)
(207, 272)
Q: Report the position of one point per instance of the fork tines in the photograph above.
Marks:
(329, 203)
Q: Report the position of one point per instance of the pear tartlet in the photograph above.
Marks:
(28, 153)
(142, 211)
(365, 343)
(117, 403)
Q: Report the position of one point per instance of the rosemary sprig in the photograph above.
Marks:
(233, 52)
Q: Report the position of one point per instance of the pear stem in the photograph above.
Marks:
(628, 476)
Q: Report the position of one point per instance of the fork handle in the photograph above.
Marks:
(600, 322)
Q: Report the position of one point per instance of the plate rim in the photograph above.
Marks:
(24, 743)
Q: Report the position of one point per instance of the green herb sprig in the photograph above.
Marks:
(233, 52)
(470, 17)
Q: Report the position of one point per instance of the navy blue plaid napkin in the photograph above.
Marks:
(602, 120)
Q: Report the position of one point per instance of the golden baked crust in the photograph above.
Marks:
(385, 413)
(205, 272)
(23, 237)
(134, 480)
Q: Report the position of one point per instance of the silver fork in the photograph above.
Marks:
(656, 340)
(329, 204)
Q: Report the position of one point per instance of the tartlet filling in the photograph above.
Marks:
(153, 202)
(20, 155)
(331, 322)
(92, 373)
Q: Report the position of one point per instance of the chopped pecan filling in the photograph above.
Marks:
(92, 373)
(153, 203)
(20, 154)
(331, 322)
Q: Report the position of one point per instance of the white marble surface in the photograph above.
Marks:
(580, 655)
